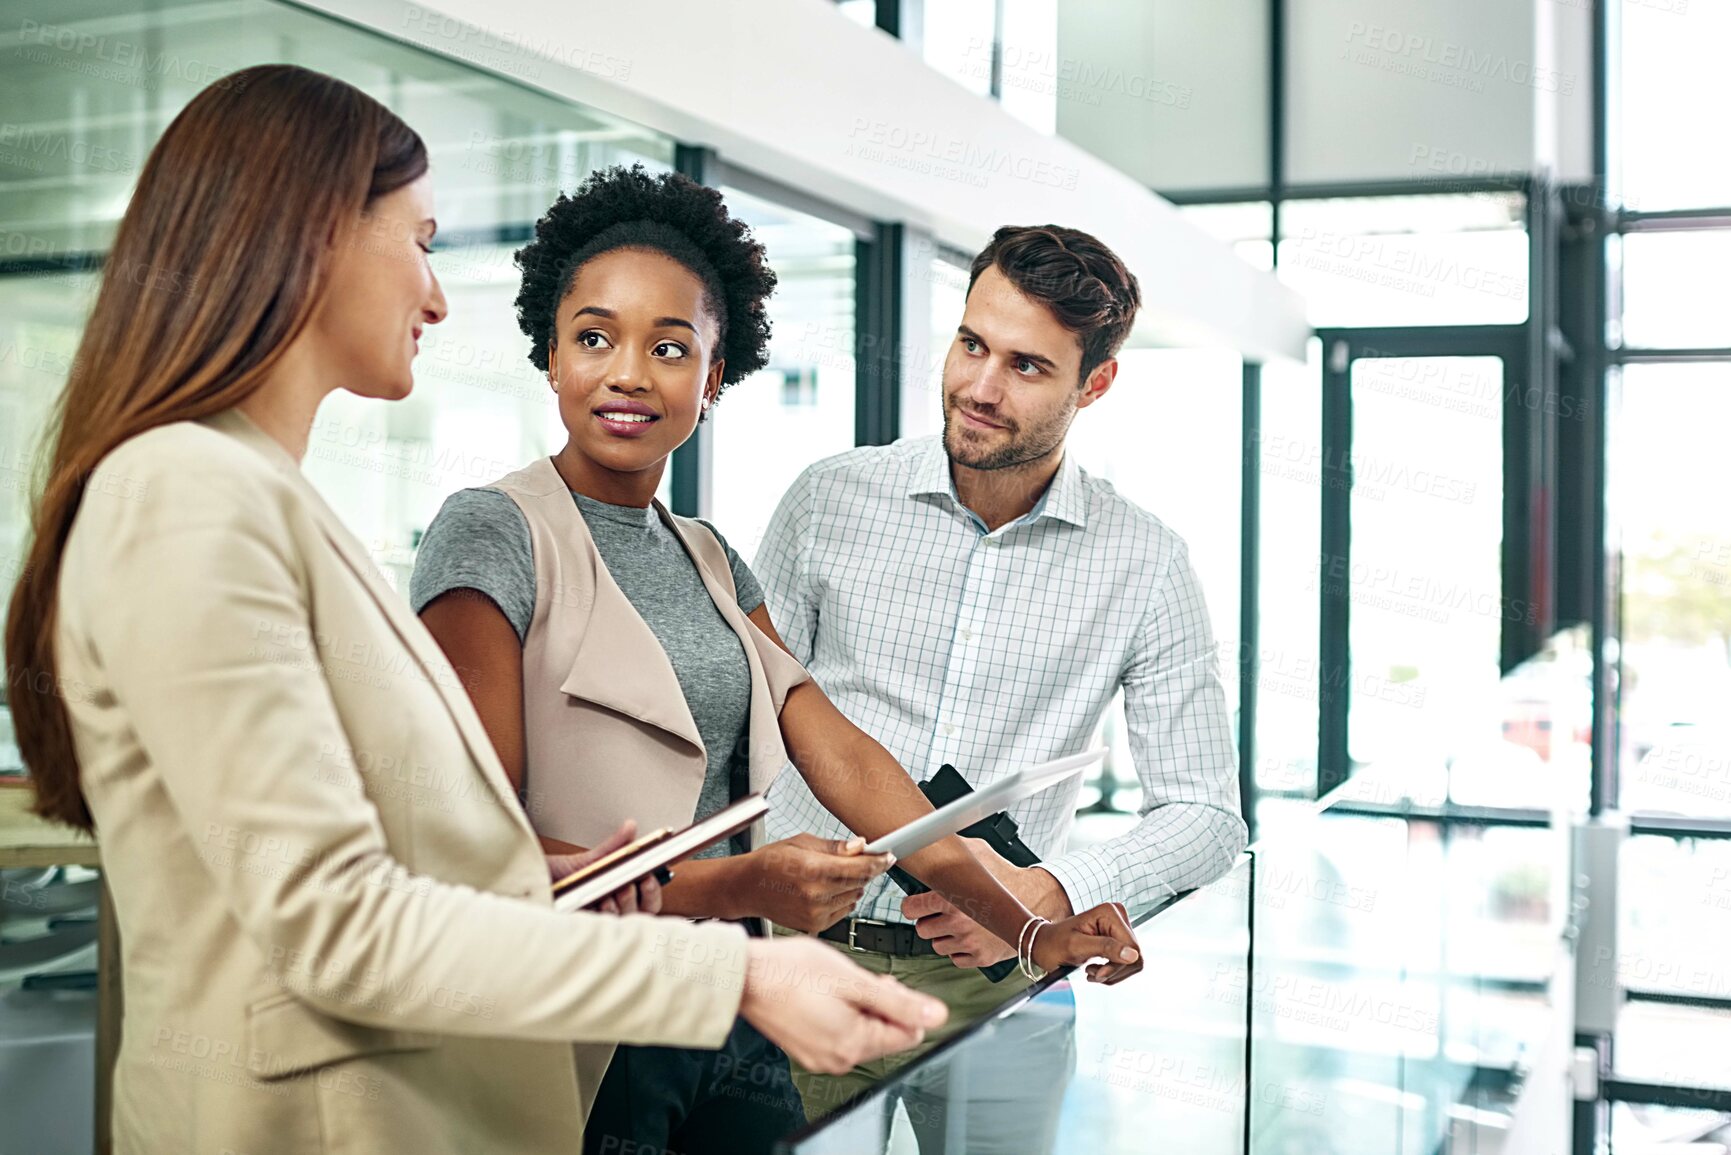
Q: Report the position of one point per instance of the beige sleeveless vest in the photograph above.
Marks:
(608, 735)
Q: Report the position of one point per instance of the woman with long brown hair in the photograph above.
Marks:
(205, 669)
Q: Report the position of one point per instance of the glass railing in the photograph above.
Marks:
(1405, 972)
(1388, 969)
(1081, 1067)
(1384, 970)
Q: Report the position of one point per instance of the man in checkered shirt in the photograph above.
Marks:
(979, 599)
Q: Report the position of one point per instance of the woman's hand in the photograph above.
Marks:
(1099, 932)
(806, 883)
(827, 1013)
(641, 897)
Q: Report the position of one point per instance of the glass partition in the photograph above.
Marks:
(1377, 973)
(1403, 962)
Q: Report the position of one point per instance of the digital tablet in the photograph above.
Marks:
(989, 799)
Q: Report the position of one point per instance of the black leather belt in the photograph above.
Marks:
(878, 937)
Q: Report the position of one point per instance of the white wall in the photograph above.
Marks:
(1412, 89)
(1565, 132)
(1377, 89)
(1174, 92)
(793, 89)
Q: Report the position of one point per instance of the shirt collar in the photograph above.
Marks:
(1065, 499)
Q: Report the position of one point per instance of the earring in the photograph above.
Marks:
(706, 405)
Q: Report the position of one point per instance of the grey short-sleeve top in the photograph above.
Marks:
(480, 540)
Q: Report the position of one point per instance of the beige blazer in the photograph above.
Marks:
(335, 923)
(607, 731)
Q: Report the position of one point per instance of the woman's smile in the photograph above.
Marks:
(624, 418)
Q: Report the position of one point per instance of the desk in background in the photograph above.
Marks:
(27, 841)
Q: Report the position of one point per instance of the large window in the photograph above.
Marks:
(1413, 260)
(800, 407)
(500, 154)
(1668, 493)
(1425, 575)
(1671, 61)
(1669, 526)
(1675, 288)
(1005, 49)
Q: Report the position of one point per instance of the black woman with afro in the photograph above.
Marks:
(622, 660)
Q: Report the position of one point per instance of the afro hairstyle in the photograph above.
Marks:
(670, 213)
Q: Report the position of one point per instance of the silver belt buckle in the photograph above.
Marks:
(853, 928)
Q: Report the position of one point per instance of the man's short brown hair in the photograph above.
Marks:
(1085, 284)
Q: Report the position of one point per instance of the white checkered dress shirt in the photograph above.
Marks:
(994, 651)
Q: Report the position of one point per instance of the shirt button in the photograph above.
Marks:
(967, 634)
(949, 729)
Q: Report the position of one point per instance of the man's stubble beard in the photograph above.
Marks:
(1022, 448)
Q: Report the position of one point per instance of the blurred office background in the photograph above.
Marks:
(1436, 370)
